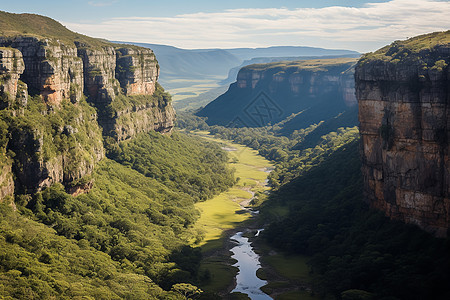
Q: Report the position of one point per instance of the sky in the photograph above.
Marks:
(336, 24)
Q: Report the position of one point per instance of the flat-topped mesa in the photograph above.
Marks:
(268, 93)
(403, 94)
(137, 71)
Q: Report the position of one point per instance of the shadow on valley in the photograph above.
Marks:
(354, 252)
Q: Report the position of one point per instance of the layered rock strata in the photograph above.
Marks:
(403, 95)
(268, 93)
(64, 143)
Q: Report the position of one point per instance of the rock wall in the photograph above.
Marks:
(142, 119)
(268, 93)
(403, 94)
(61, 141)
(137, 71)
(301, 81)
(55, 149)
(57, 71)
(99, 73)
(11, 67)
(52, 69)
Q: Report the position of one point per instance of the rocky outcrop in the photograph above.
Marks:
(137, 71)
(62, 147)
(308, 83)
(52, 69)
(59, 139)
(403, 94)
(99, 66)
(268, 93)
(143, 119)
(11, 67)
(59, 70)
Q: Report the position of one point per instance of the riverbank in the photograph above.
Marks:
(228, 213)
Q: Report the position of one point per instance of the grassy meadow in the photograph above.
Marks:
(224, 212)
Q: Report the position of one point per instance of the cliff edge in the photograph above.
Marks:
(268, 93)
(403, 95)
(61, 93)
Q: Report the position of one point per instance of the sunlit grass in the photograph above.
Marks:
(223, 212)
(219, 214)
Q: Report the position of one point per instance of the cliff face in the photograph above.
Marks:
(403, 94)
(137, 71)
(268, 93)
(58, 71)
(51, 69)
(48, 132)
(11, 67)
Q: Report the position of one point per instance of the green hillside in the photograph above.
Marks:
(409, 49)
(41, 26)
(121, 239)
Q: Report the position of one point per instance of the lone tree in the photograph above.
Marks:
(186, 290)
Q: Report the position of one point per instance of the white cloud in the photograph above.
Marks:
(364, 29)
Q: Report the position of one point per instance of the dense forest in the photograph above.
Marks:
(354, 252)
(127, 237)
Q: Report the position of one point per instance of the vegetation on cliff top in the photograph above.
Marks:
(311, 65)
(38, 26)
(41, 27)
(410, 49)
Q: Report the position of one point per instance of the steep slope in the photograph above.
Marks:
(50, 134)
(73, 223)
(403, 95)
(268, 93)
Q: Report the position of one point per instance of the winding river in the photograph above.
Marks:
(230, 208)
(248, 263)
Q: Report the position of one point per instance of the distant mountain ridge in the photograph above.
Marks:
(198, 63)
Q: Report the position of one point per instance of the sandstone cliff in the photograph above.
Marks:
(49, 132)
(267, 93)
(403, 94)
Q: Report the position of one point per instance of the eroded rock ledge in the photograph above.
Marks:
(59, 138)
(403, 95)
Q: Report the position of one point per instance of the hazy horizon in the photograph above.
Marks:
(361, 26)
